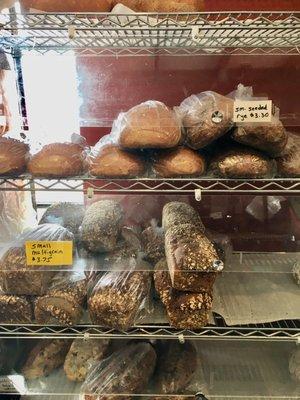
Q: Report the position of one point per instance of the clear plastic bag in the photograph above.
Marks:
(288, 162)
(206, 117)
(148, 125)
(108, 160)
(63, 302)
(178, 213)
(153, 241)
(126, 371)
(66, 5)
(16, 277)
(14, 156)
(119, 299)
(15, 309)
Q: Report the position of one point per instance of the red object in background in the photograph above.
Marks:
(252, 5)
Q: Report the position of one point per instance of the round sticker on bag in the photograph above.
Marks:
(217, 117)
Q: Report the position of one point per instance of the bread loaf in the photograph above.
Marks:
(101, 226)
(148, 125)
(58, 160)
(125, 371)
(241, 163)
(69, 215)
(185, 310)
(62, 304)
(45, 357)
(15, 310)
(179, 162)
(163, 6)
(288, 162)
(118, 298)
(16, 277)
(14, 156)
(269, 137)
(176, 367)
(178, 213)
(83, 354)
(111, 162)
(206, 117)
(153, 244)
(67, 5)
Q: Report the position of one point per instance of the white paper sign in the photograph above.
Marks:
(12, 384)
(252, 111)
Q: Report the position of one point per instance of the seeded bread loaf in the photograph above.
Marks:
(288, 162)
(177, 213)
(83, 354)
(15, 309)
(176, 366)
(153, 243)
(101, 226)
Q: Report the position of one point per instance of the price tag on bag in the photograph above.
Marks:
(252, 111)
(12, 384)
(49, 253)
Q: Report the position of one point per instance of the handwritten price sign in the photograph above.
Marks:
(252, 111)
(49, 253)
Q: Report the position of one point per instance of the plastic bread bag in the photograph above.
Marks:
(60, 159)
(288, 161)
(119, 299)
(241, 163)
(127, 371)
(270, 137)
(16, 277)
(14, 156)
(148, 125)
(67, 6)
(16, 309)
(153, 242)
(205, 117)
(108, 160)
(63, 303)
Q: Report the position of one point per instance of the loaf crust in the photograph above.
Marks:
(185, 310)
(179, 162)
(288, 163)
(14, 156)
(45, 357)
(199, 119)
(148, 125)
(177, 364)
(118, 298)
(68, 5)
(82, 355)
(111, 162)
(178, 213)
(62, 305)
(101, 226)
(153, 244)
(15, 309)
(165, 6)
(58, 160)
(241, 163)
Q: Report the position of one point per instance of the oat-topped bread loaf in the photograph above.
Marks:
(83, 354)
(288, 162)
(125, 371)
(101, 226)
(177, 213)
(14, 156)
(63, 303)
(206, 117)
(58, 160)
(176, 366)
(268, 137)
(46, 356)
(67, 214)
(241, 162)
(15, 309)
(185, 310)
(118, 298)
(16, 277)
(148, 125)
(179, 162)
(153, 243)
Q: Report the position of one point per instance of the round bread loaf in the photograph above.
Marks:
(148, 125)
(179, 162)
(288, 163)
(153, 243)
(101, 226)
(68, 5)
(111, 161)
(58, 160)
(14, 156)
(241, 163)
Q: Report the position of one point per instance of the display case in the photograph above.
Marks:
(150, 236)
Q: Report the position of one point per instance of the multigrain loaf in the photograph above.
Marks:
(178, 213)
(288, 162)
(15, 309)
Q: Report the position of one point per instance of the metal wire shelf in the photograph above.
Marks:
(153, 185)
(143, 34)
(276, 331)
